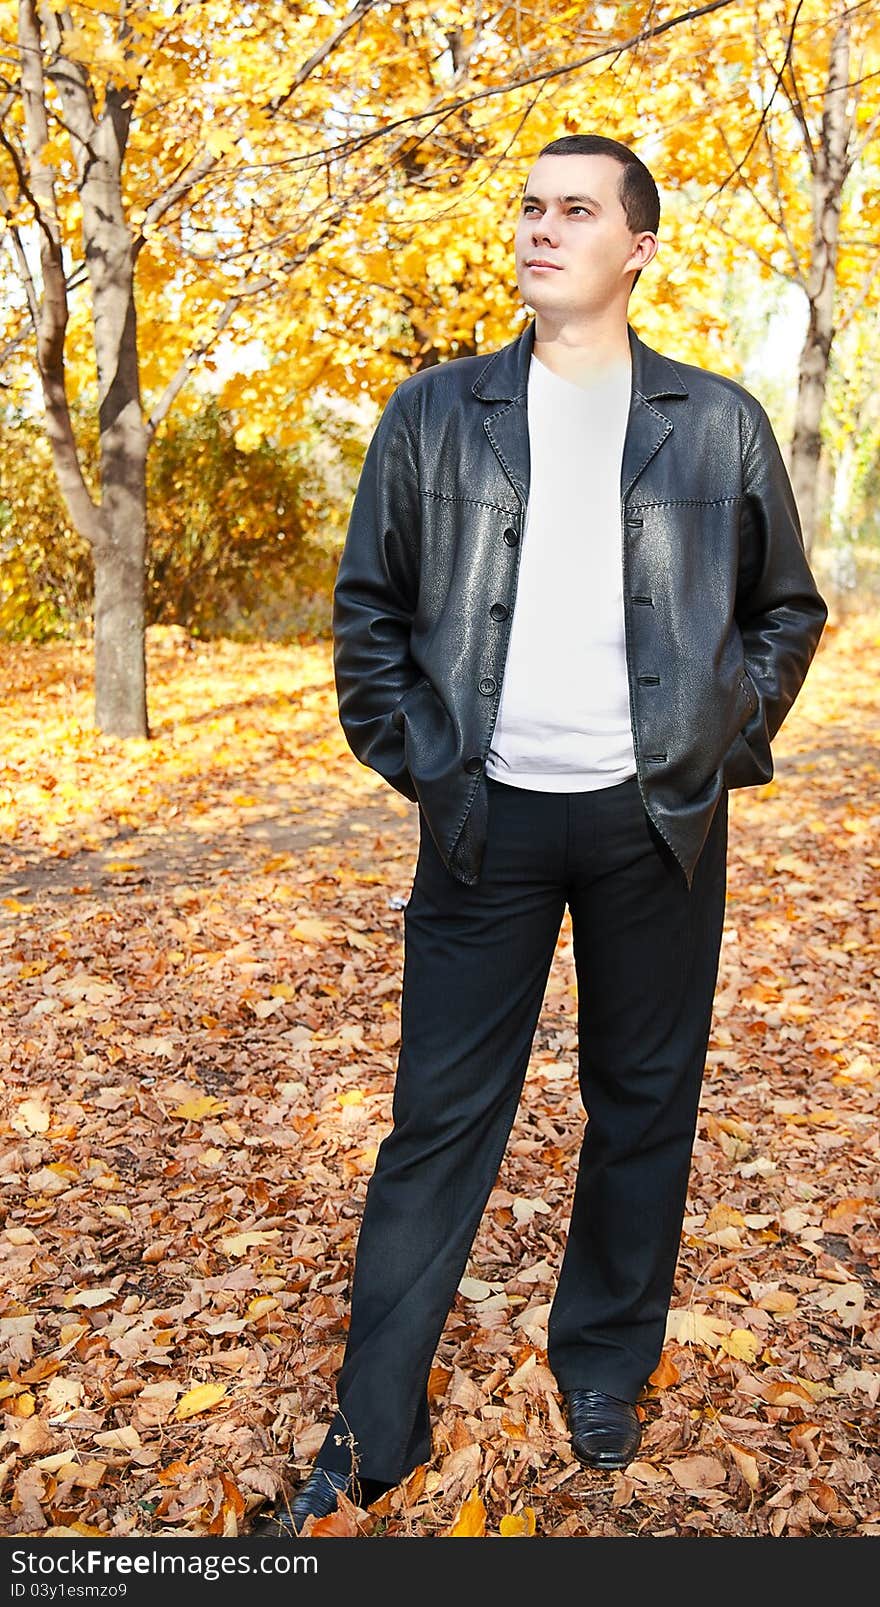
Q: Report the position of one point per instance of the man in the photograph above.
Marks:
(572, 611)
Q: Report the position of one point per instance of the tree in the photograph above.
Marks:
(790, 118)
(184, 129)
(335, 191)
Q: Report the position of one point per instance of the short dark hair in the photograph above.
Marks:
(637, 190)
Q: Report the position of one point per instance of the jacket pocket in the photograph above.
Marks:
(398, 715)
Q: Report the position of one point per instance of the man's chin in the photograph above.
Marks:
(541, 298)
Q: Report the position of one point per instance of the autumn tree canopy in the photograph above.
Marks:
(281, 196)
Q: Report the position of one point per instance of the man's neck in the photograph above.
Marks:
(581, 352)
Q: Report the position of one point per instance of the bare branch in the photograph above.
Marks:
(795, 100)
(175, 192)
(765, 111)
(781, 220)
(187, 367)
(346, 148)
(69, 77)
(355, 16)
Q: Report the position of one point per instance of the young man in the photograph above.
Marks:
(572, 611)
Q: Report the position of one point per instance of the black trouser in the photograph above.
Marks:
(476, 962)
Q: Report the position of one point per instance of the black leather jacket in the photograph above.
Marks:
(722, 615)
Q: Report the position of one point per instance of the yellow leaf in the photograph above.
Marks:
(695, 1328)
(742, 1344)
(199, 1399)
(471, 1521)
(219, 141)
(723, 1216)
(23, 1405)
(260, 1305)
(192, 1110)
(240, 1243)
(313, 930)
(519, 1523)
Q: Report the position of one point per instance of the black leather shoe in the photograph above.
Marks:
(317, 1498)
(605, 1431)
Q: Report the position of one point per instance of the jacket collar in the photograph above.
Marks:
(506, 374)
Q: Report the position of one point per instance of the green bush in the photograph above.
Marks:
(229, 550)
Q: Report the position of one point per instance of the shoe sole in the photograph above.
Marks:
(604, 1462)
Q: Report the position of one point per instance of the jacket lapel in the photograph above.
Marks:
(652, 376)
(505, 379)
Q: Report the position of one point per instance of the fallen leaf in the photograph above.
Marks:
(194, 1110)
(747, 1465)
(858, 1378)
(33, 1115)
(777, 1300)
(90, 1298)
(240, 1243)
(471, 1520)
(695, 1328)
(474, 1289)
(742, 1344)
(199, 1399)
(847, 1300)
(696, 1473)
(517, 1523)
(665, 1374)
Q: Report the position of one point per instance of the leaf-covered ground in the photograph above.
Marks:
(201, 951)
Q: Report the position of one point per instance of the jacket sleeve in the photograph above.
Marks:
(779, 611)
(374, 599)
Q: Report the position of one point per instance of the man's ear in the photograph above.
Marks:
(645, 248)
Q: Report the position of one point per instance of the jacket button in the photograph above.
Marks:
(488, 685)
(499, 611)
(511, 536)
(473, 766)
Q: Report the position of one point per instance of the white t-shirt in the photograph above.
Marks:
(564, 721)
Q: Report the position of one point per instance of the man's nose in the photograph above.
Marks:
(544, 229)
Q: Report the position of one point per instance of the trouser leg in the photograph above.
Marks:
(476, 961)
(646, 956)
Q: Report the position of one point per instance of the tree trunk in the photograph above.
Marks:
(120, 556)
(115, 527)
(829, 177)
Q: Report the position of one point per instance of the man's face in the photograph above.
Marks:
(572, 218)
